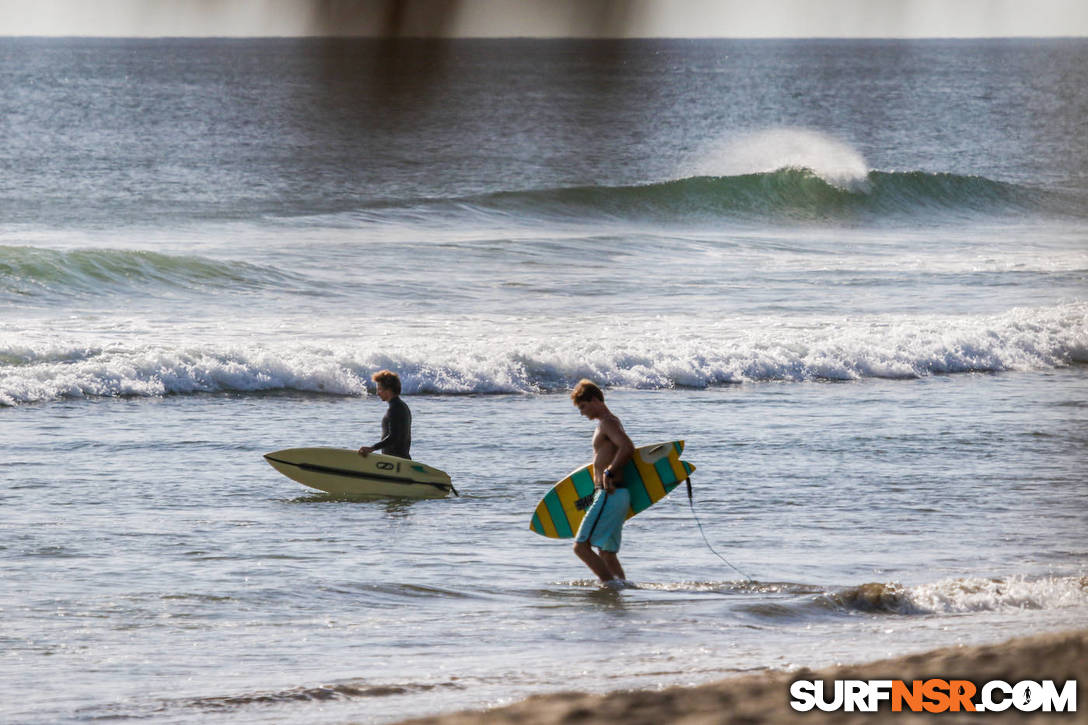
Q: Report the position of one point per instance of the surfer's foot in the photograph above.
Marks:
(618, 584)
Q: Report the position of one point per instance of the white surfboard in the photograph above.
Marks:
(343, 472)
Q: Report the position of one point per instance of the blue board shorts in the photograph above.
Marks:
(603, 525)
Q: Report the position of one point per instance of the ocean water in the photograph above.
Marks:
(852, 276)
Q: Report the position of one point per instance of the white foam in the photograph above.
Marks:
(492, 355)
(156, 371)
(833, 160)
(976, 594)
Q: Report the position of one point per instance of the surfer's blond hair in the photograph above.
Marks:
(388, 380)
(586, 390)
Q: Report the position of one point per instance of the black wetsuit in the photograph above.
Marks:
(396, 430)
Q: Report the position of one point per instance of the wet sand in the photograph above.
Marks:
(764, 698)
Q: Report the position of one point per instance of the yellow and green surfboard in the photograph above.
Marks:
(651, 473)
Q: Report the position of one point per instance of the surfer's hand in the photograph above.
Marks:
(609, 481)
(365, 451)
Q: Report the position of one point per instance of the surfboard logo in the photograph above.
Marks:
(583, 503)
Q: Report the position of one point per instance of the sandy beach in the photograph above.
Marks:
(765, 698)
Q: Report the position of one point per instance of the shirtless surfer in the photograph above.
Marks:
(602, 526)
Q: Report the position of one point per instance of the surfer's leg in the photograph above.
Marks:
(584, 540)
(613, 563)
(608, 534)
(586, 553)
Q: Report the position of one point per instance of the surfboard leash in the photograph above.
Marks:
(691, 502)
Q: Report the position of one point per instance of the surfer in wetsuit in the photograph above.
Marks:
(602, 526)
(397, 423)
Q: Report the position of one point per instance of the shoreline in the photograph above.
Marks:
(764, 698)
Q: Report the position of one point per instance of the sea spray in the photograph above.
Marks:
(767, 151)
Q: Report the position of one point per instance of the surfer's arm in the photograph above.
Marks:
(386, 439)
(624, 448)
(365, 450)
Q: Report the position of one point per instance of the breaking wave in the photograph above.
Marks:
(896, 348)
(961, 595)
(783, 174)
(787, 194)
(798, 602)
(784, 600)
